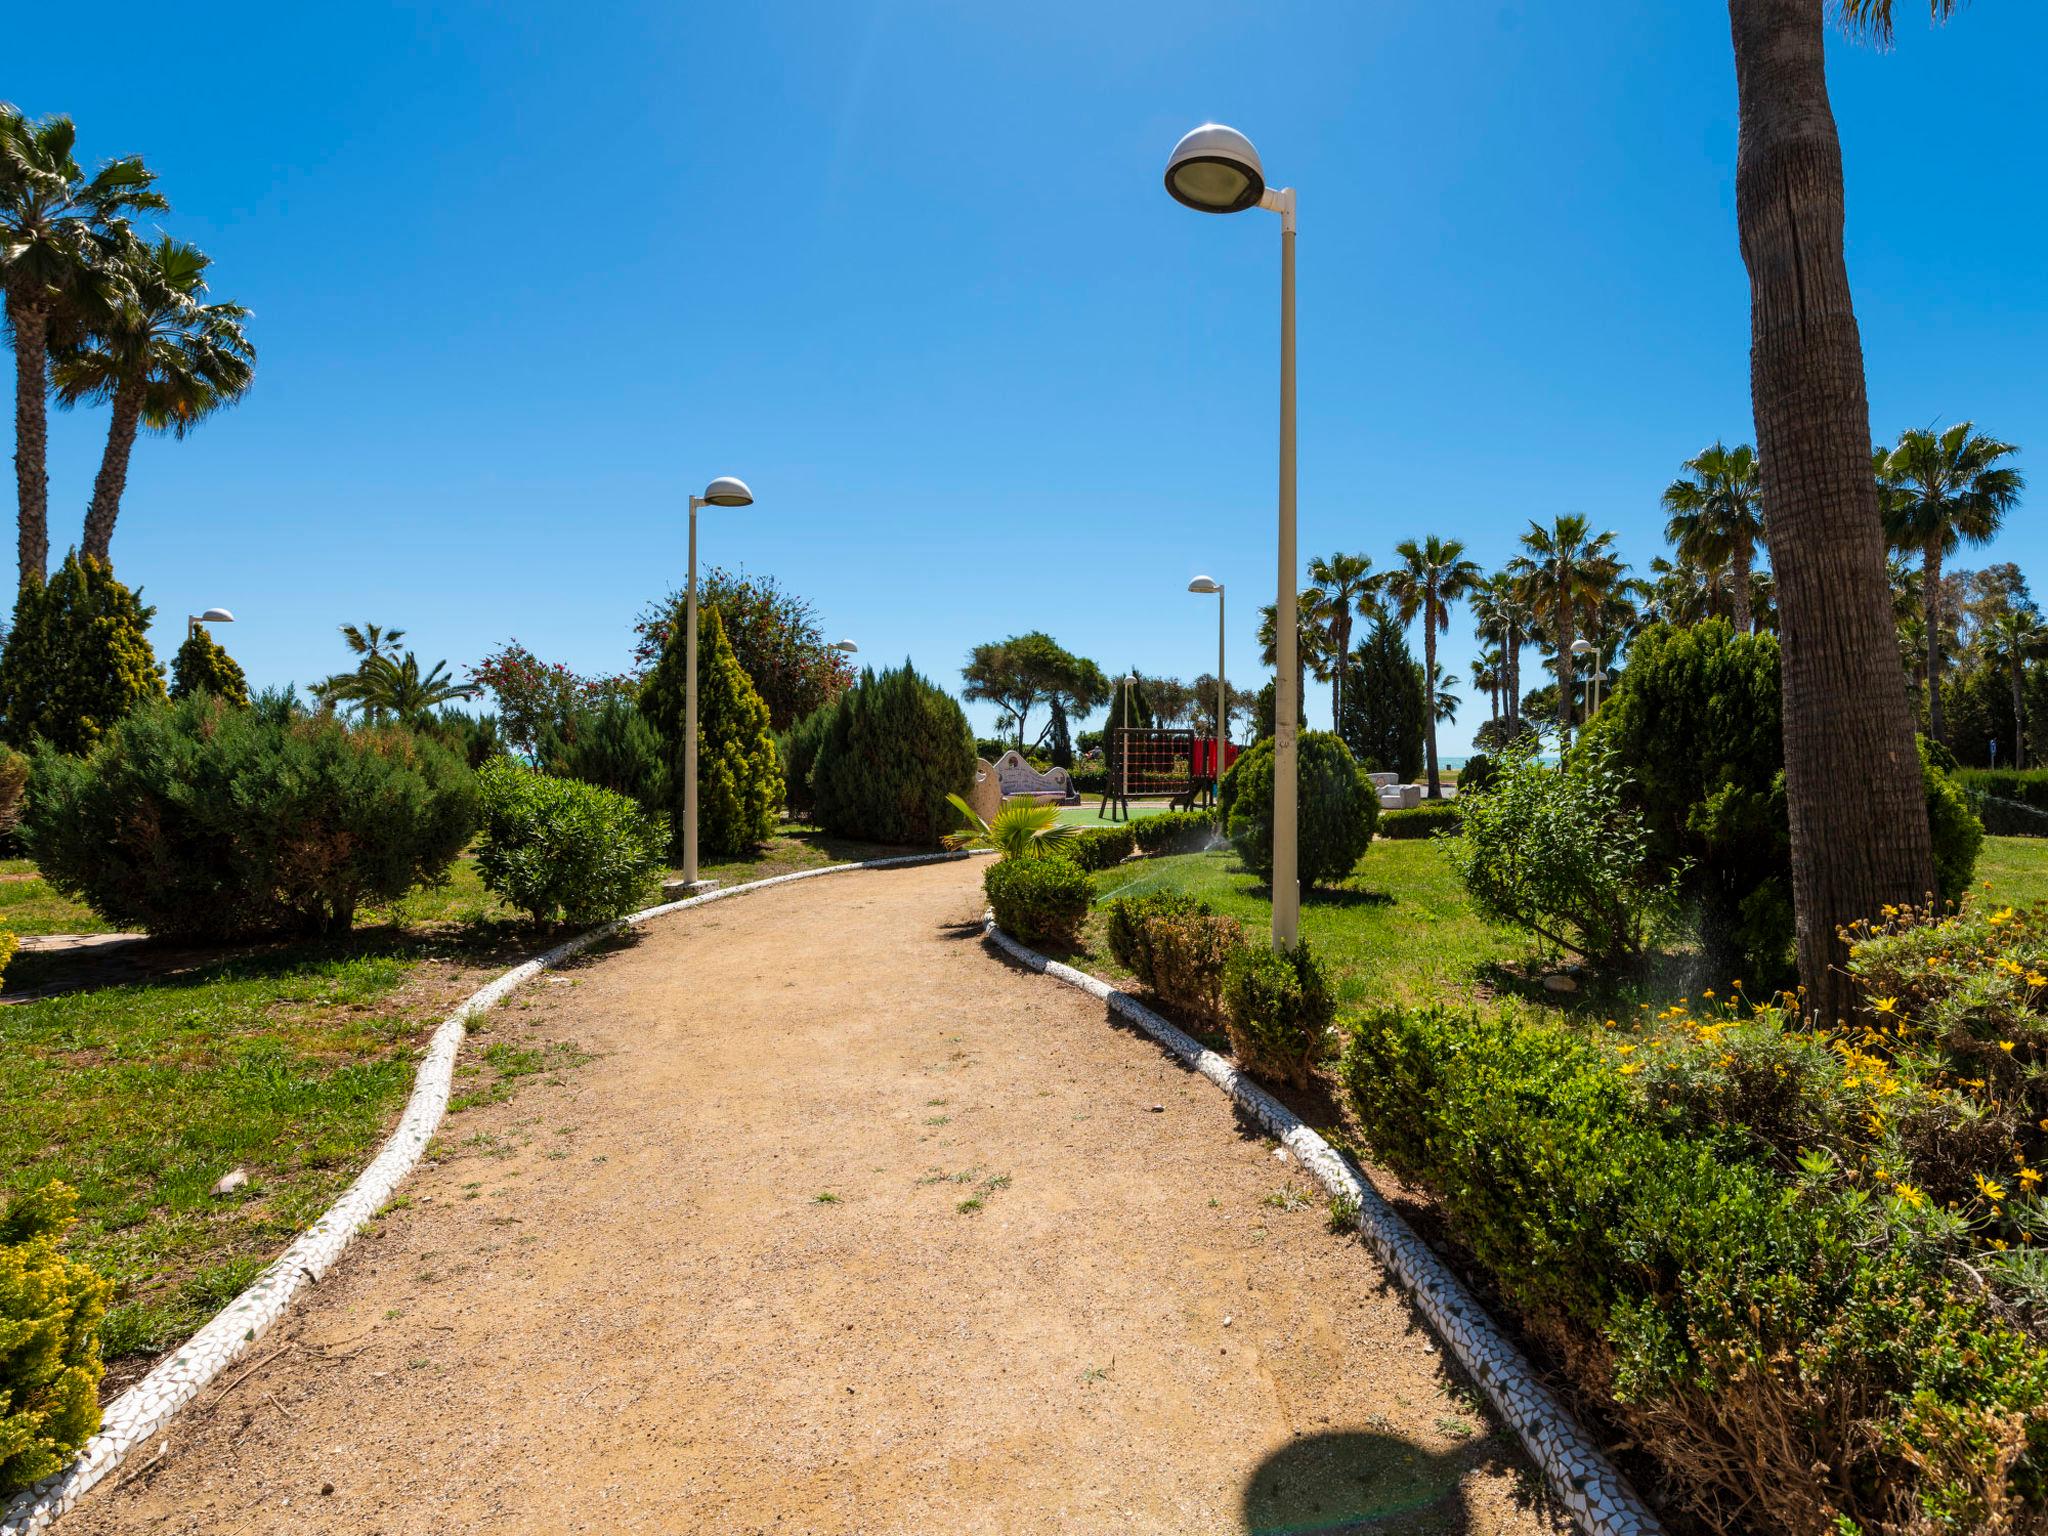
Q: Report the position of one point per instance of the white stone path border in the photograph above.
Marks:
(1600, 1499)
(141, 1412)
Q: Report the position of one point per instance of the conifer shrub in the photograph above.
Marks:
(203, 820)
(201, 666)
(564, 848)
(738, 779)
(615, 747)
(897, 746)
(1337, 809)
(77, 658)
(1278, 1008)
(1041, 902)
(13, 787)
(798, 750)
(50, 1310)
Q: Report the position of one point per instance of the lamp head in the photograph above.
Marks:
(727, 491)
(847, 646)
(216, 616)
(1204, 584)
(1581, 645)
(1215, 170)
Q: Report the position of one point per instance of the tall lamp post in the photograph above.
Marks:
(725, 491)
(1204, 584)
(1581, 648)
(1214, 169)
(211, 616)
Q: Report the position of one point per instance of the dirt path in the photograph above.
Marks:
(845, 1227)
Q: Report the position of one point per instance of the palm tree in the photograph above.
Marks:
(1717, 518)
(1847, 721)
(1312, 635)
(60, 232)
(2011, 640)
(1345, 582)
(1444, 703)
(1940, 489)
(1568, 568)
(1022, 828)
(370, 641)
(160, 355)
(1489, 671)
(1501, 609)
(383, 685)
(1431, 576)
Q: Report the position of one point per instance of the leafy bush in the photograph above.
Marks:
(1175, 832)
(1091, 779)
(13, 783)
(475, 739)
(201, 666)
(1422, 820)
(1039, 901)
(797, 749)
(1560, 852)
(738, 780)
(2007, 818)
(1478, 772)
(1957, 833)
(1278, 1007)
(2029, 786)
(1103, 847)
(1337, 809)
(1794, 1358)
(1178, 949)
(615, 747)
(50, 1310)
(200, 819)
(897, 747)
(565, 848)
(77, 658)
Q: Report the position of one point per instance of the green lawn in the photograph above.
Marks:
(1088, 813)
(2017, 868)
(28, 905)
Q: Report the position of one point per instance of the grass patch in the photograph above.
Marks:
(28, 905)
(2017, 869)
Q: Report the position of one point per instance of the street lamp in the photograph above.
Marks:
(725, 491)
(1215, 170)
(211, 616)
(1204, 584)
(847, 646)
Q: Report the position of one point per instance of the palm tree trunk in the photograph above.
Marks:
(1931, 605)
(1565, 668)
(1429, 700)
(32, 437)
(1853, 789)
(1745, 619)
(112, 479)
(2019, 718)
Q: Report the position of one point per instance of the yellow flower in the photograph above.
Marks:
(1625, 1049)
(2036, 979)
(1909, 1195)
(2005, 1045)
(1990, 1189)
(1886, 1005)
(2030, 1177)
(1629, 1068)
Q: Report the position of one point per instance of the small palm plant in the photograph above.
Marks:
(1023, 828)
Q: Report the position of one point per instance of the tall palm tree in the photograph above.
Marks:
(1847, 721)
(1431, 576)
(383, 686)
(1717, 517)
(162, 356)
(1345, 582)
(1489, 671)
(1503, 617)
(1940, 489)
(2011, 640)
(1312, 637)
(60, 232)
(1566, 569)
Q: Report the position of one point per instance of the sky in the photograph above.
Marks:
(526, 275)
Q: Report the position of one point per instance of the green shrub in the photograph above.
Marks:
(615, 747)
(1479, 771)
(77, 658)
(1102, 847)
(797, 748)
(1041, 901)
(207, 821)
(896, 748)
(1175, 832)
(1792, 1359)
(1338, 808)
(1422, 820)
(1092, 779)
(1278, 1007)
(738, 780)
(1128, 921)
(50, 1310)
(563, 847)
(13, 784)
(2029, 786)
(201, 666)
(1958, 834)
(1177, 948)
(1561, 853)
(476, 739)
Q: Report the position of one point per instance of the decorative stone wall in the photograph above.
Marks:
(140, 1413)
(1599, 1498)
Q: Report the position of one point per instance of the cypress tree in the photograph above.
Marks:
(738, 779)
(1384, 704)
(202, 666)
(897, 746)
(77, 659)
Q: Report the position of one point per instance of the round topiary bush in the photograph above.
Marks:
(896, 748)
(1041, 900)
(1337, 812)
(205, 820)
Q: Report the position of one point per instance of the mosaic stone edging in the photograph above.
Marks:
(1599, 1498)
(141, 1412)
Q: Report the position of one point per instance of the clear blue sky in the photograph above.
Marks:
(524, 275)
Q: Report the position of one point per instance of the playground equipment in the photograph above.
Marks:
(1145, 763)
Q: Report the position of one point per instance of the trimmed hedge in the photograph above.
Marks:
(50, 1310)
(1102, 847)
(1041, 901)
(1178, 949)
(1421, 820)
(1278, 1010)
(2028, 786)
(205, 820)
(1176, 832)
(1337, 810)
(565, 848)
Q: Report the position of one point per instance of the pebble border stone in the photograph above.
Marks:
(141, 1412)
(1599, 1498)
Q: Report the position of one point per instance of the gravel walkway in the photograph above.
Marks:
(844, 1226)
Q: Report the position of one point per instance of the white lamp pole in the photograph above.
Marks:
(211, 616)
(1214, 169)
(1204, 584)
(725, 491)
(1580, 647)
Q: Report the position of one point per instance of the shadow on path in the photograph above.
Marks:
(1346, 1481)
